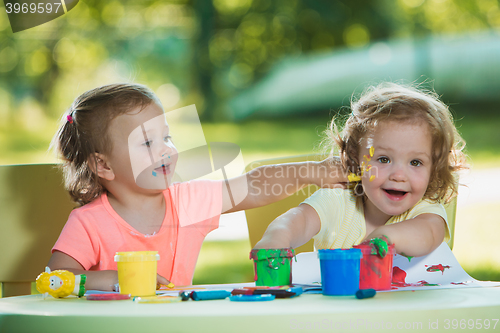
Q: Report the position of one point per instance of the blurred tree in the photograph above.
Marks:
(203, 68)
(203, 51)
(251, 36)
(97, 43)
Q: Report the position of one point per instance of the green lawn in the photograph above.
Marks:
(258, 139)
(224, 262)
(293, 136)
(476, 240)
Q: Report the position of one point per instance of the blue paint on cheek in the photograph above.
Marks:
(154, 173)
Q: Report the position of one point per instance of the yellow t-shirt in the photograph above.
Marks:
(343, 222)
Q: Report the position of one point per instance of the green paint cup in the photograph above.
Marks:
(273, 267)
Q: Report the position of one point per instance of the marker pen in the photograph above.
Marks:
(157, 299)
(204, 295)
(107, 297)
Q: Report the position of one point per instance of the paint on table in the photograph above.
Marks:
(463, 283)
(399, 280)
(407, 256)
(272, 267)
(437, 268)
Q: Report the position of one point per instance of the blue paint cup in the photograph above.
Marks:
(340, 271)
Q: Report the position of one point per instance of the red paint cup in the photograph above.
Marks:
(375, 272)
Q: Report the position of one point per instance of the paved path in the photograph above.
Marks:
(483, 186)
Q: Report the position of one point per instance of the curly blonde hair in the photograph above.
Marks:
(395, 102)
(83, 132)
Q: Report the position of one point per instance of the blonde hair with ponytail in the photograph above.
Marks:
(83, 132)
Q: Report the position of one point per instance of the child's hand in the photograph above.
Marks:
(380, 245)
(160, 280)
(270, 244)
(330, 174)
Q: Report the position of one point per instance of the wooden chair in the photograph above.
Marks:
(259, 218)
(34, 206)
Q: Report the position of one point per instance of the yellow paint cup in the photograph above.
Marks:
(137, 272)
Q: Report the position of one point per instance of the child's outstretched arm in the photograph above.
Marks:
(96, 280)
(291, 229)
(415, 237)
(267, 184)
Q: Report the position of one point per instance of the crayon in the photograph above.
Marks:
(157, 299)
(107, 297)
(278, 292)
(252, 298)
(204, 295)
(365, 293)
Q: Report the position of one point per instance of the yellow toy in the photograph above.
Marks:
(60, 283)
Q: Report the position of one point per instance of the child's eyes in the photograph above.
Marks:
(150, 142)
(415, 163)
(383, 159)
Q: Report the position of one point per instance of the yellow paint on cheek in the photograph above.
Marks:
(367, 158)
(353, 178)
(372, 178)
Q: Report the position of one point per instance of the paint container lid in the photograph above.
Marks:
(263, 254)
(340, 254)
(252, 298)
(367, 249)
(136, 256)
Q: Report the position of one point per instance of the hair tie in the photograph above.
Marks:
(69, 118)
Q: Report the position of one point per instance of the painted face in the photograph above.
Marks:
(400, 167)
(143, 152)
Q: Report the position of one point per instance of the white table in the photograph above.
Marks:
(420, 310)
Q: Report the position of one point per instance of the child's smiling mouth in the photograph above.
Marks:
(395, 195)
